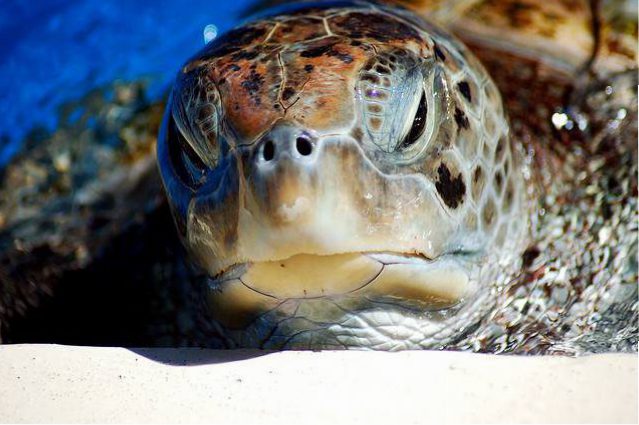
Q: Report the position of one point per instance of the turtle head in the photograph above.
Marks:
(338, 160)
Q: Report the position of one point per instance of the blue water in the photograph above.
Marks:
(57, 50)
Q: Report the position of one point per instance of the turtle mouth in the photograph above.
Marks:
(440, 282)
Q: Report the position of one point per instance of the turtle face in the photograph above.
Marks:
(339, 163)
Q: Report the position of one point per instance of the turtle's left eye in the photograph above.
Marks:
(187, 164)
(419, 124)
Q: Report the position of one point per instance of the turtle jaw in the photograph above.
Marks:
(247, 290)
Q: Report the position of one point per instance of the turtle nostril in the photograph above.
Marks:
(269, 150)
(304, 146)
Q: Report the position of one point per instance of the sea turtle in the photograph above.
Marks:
(351, 174)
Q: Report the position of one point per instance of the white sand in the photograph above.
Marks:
(49, 383)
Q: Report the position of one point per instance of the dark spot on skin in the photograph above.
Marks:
(613, 186)
(326, 50)
(500, 148)
(606, 210)
(375, 123)
(344, 57)
(252, 84)
(460, 118)
(288, 93)
(508, 196)
(276, 106)
(308, 68)
(371, 78)
(316, 52)
(529, 255)
(375, 109)
(478, 183)
(382, 69)
(439, 54)
(464, 88)
(452, 190)
(357, 134)
(477, 175)
(499, 179)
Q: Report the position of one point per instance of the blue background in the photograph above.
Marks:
(57, 50)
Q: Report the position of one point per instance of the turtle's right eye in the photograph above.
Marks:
(188, 166)
(418, 126)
